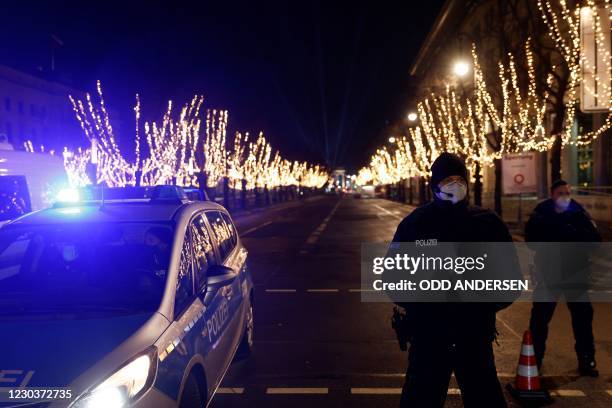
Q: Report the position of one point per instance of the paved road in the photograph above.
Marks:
(318, 344)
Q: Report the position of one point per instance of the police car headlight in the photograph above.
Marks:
(124, 386)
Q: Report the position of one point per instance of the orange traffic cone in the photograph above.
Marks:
(527, 388)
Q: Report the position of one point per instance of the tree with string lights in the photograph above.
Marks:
(177, 153)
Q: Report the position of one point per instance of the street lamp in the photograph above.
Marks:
(412, 116)
(461, 68)
(391, 139)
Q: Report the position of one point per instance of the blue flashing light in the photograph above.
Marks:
(68, 195)
(70, 211)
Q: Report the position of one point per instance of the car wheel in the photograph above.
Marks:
(192, 397)
(246, 344)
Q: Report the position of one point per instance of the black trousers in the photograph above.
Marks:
(429, 372)
(582, 325)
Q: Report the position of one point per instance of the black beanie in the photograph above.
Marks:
(446, 165)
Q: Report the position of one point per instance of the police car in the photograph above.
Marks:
(122, 302)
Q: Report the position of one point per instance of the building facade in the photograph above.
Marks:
(37, 110)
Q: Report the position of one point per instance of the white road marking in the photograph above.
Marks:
(402, 375)
(230, 390)
(376, 391)
(280, 290)
(255, 228)
(360, 290)
(297, 390)
(316, 234)
(567, 393)
(510, 329)
(322, 290)
(388, 212)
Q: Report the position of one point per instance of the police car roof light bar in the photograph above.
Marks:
(99, 195)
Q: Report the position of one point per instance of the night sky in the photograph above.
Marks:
(302, 72)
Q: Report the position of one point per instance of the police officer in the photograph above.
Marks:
(451, 337)
(562, 219)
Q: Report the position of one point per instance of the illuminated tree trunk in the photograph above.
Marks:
(422, 191)
(257, 197)
(477, 185)
(498, 186)
(410, 192)
(202, 180)
(266, 195)
(555, 151)
(226, 198)
(243, 194)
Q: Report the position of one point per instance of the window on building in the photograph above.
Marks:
(7, 103)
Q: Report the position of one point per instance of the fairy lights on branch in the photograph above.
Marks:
(177, 152)
(563, 24)
(473, 125)
(480, 127)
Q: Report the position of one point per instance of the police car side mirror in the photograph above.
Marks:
(219, 276)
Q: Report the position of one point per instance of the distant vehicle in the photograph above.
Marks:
(27, 181)
(366, 191)
(139, 302)
(379, 191)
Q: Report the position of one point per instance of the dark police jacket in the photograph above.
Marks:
(453, 322)
(571, 226)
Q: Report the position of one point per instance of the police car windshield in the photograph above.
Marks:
(101, 268)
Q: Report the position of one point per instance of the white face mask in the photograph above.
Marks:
(562, 203)
(453, 192)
